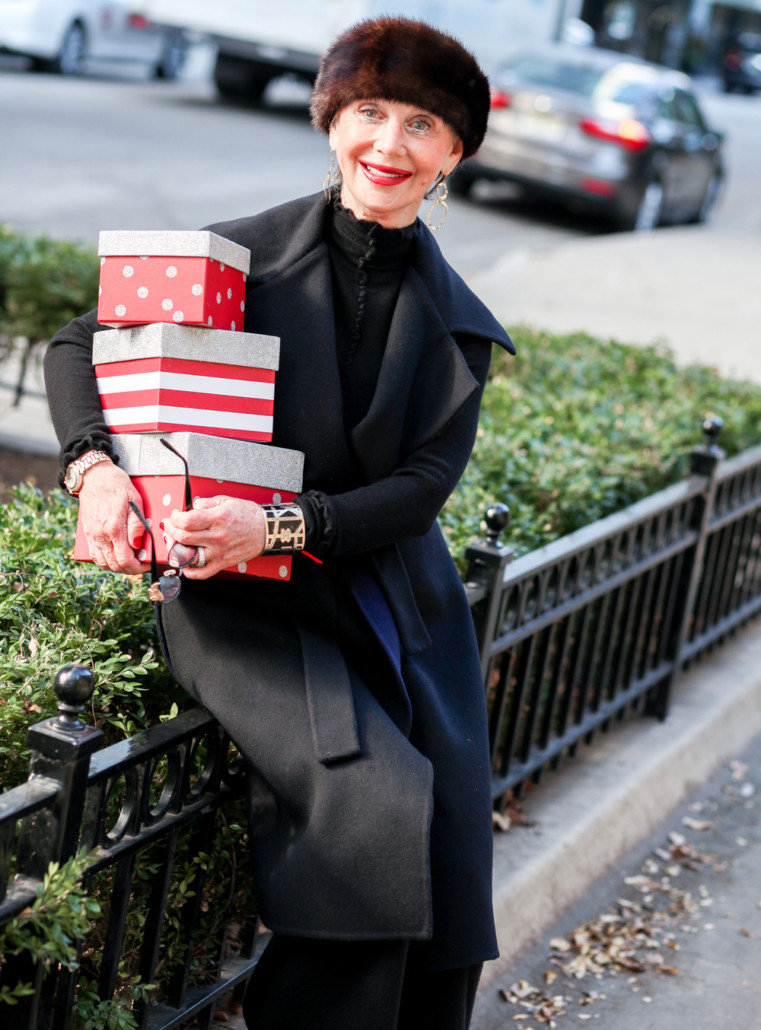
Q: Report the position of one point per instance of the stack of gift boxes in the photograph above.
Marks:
(177, 365)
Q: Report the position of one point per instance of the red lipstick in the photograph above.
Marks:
(384, 175)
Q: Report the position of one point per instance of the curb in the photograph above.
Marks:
(612, 795)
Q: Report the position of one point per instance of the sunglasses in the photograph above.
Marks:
(166, 587)
(163, 588)
(182, 555)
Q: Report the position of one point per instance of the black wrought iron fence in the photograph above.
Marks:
(573, 637)
(117, 803)
(600, 623)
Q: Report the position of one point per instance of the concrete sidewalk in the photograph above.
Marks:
(689, 927)
(588, 818)
(28, 427)
(694, 289)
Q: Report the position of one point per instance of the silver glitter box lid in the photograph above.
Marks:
(212, 457)
(192, 343)
(173, 243)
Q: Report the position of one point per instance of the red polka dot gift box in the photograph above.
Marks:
(217, 467)
(167, 378)
(189, 278)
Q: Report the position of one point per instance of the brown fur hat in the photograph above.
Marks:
(407, 61)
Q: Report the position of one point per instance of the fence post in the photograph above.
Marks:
(705, 460)
(487, 559)
(61, 750)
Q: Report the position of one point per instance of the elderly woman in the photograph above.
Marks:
(354, 689)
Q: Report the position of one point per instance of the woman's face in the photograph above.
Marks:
(389, 155)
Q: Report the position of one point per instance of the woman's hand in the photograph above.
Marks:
(112, 530)
(230, 531)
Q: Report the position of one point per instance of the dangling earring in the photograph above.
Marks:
(442, 193)
(330, 182)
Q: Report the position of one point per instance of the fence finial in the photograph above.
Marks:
(74, 685)
(497, 519)
(712, 427)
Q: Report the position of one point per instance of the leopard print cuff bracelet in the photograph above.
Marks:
(284, 528)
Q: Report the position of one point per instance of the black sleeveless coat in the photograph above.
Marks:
(355, 689)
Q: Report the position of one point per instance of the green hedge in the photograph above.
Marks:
(571, 430)
(575, 428)
(44, 283)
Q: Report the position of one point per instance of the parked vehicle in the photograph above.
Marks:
(259, 40)
(741, 67)
(601, 130)
(62, 35)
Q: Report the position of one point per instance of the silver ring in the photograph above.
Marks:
(201, 560)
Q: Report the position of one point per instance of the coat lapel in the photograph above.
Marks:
(424, 381)
(308, 366)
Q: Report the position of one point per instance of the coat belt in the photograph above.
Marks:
(330, 699)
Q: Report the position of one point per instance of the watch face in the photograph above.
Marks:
(72, 478)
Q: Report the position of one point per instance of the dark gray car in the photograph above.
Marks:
(602, 130)
(741, 67)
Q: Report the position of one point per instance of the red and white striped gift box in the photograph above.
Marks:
(169, 378)
(218, 467)
(189, 278)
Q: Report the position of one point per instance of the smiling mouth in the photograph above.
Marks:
(384, 176)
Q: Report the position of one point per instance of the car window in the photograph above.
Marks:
(638, 95)
(687, 112)
(667, 105)
(552, 72)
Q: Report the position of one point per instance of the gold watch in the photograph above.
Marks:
(75, 473)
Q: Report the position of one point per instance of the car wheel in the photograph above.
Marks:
(171, 60)
(710, 198)
(71, 57)
(650, 208)
(239, 79)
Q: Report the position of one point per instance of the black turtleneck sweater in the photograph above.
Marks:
(368, 264)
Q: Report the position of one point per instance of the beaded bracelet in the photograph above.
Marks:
(284, 528)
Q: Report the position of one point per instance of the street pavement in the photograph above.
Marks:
(694, 289)
(600, 820)
(669, 937)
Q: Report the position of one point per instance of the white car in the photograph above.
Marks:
(61, 35)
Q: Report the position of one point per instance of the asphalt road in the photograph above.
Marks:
(116, 151)
(125, 153)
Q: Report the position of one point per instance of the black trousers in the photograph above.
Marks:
(302, 984)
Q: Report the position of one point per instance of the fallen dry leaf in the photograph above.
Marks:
(697, 824)
(500, 822)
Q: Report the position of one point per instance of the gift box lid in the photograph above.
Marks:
(192, 343)
(173, 243)
(210, 457)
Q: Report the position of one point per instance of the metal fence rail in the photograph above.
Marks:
(116, 803)
(600, 623)
(573, 637)
(729, 590)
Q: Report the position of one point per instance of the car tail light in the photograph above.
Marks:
(628, 133)
(137, 21)
(500, 100)
(732, 59)
(598, 187)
